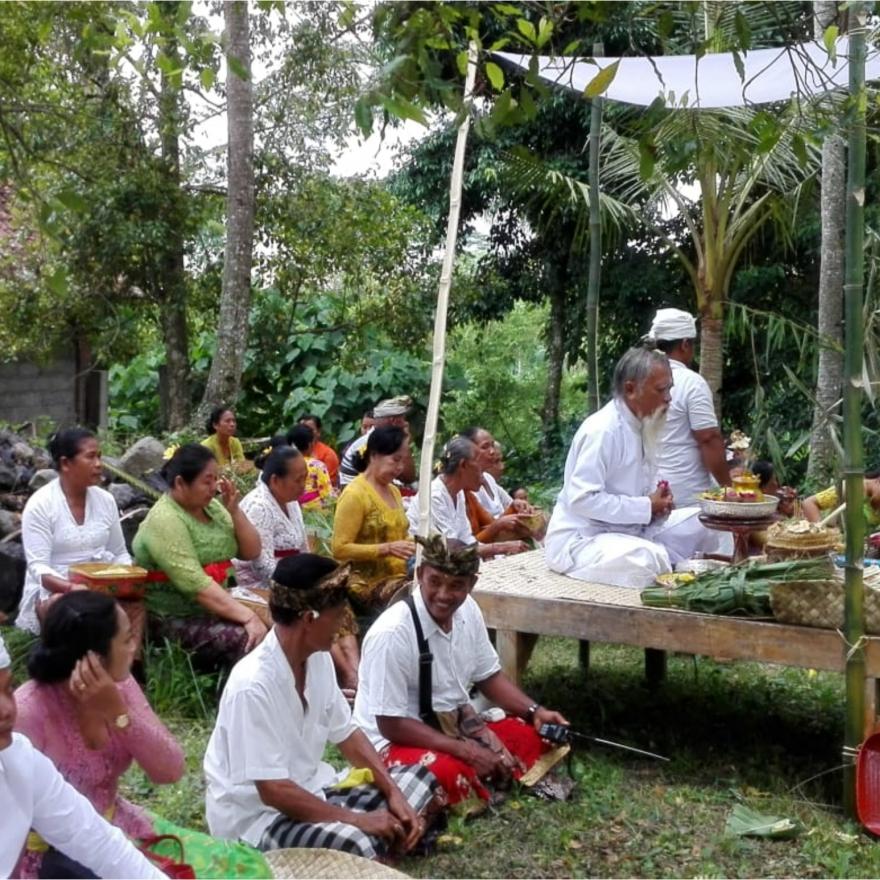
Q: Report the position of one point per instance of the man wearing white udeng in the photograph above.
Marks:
(693, 453)
(610, 524)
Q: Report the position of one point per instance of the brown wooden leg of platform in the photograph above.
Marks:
(655, 666)
(514, 651)
(584, 655)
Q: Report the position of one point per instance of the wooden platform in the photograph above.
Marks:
(521, 598)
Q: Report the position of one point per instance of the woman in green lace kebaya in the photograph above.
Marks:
(188, 541)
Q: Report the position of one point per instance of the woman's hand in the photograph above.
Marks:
(256, 632)
(398, 549)
(94, 690)
(509, 548)
(513, 523)
(229, 494)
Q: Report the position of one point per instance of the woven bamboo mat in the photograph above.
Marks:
(526, 574)
(330, 864)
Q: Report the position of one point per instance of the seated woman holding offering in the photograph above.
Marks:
(222, 441)
(84, 710)
(67, 521)
(188, 540)
(492, 513)
(460, 473)
(371, 529)
(437, 728)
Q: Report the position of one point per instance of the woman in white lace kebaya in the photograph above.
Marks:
(67, 521)
(272, 508)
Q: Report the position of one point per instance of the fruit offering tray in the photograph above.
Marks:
(733, 504)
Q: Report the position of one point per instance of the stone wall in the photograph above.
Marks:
(31, 392)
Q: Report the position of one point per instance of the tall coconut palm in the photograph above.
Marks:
(747, 174)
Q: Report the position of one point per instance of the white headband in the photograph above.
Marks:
(671, 324)
(4, 655)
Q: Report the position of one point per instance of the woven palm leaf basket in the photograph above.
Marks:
(820, 603)
(325, 863)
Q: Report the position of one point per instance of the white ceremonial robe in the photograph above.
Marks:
(601, 527)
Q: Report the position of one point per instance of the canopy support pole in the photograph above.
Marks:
(594, 278)
(439, 354)
(854, 466)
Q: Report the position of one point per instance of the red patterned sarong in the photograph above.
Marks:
(460, 780)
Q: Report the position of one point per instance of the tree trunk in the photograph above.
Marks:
(829, 382)
(555, 360)
(711, 356)
(172, 283)
(224, 380)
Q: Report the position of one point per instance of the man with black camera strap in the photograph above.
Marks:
(419, 661)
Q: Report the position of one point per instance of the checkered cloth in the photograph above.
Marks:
(415, 783)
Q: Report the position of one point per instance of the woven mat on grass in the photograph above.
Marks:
(526, 574)
(325, 863)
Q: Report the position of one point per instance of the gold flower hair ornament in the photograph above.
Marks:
(168, 454)
(266, 450)
(329, 591)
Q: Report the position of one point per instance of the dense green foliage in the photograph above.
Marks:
(346, 270)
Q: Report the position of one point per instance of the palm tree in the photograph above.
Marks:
(743, 183)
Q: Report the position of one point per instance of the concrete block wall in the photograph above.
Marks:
(30, 391)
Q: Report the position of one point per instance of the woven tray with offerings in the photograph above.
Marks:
(116, 579)
(799, 539)
(738, 503)
(743, 589)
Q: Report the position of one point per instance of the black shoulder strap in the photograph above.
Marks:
(426, 659)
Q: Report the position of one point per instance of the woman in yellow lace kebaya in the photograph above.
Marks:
(371, 529)
(222, 441)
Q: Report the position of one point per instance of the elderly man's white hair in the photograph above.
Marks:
(635, 366)
(5, 660)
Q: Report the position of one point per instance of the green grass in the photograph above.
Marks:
(765, 736)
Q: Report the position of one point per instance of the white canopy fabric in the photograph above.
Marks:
(685, 81)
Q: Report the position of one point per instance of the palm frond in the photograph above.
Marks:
(551, 192)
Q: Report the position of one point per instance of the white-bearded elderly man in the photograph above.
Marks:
(610, 524)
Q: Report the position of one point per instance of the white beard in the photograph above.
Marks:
(653, 427)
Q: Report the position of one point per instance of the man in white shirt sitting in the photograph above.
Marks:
(613, 522)
(428, 721)
(34, 795)
(692, 455)
(267, 782)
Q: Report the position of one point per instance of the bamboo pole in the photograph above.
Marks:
(854, 466)
(594, 278)
(439, 355)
